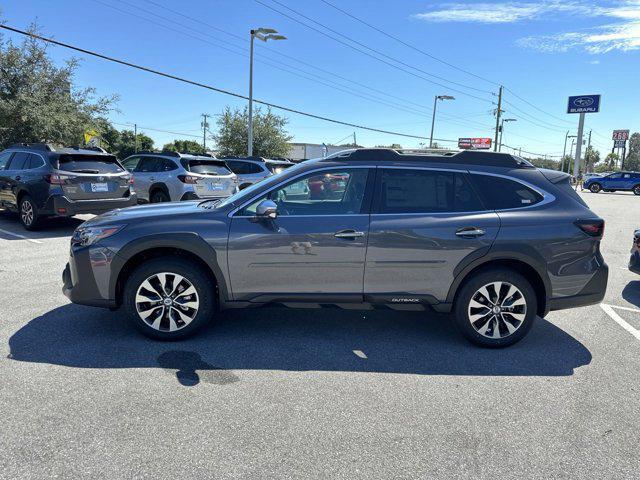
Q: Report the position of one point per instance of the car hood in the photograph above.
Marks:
(145, 212)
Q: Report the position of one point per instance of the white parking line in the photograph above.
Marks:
(17, 235)
(360, 353)
(626, 308)
(608, 309)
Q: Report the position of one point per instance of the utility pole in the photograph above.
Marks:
(135, 137)
(354, 139)
(498, 113)
(564, 151)
(205, 125)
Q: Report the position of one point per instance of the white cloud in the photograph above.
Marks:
(624, 35)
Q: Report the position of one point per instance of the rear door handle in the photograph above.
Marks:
(470, 232)
(348, 234)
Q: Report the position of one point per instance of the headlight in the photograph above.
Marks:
(86, 236)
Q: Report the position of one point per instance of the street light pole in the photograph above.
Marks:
(433, 118)
(502, 130)
(263, 34)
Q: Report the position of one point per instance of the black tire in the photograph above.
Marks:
(636, 190)
(28, 213)
(159, 196)
(464, 310)
(194, 274)
(595, 188)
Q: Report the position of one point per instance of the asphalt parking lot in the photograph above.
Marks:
(275, 393)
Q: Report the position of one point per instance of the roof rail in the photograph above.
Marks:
(240, 157)
(197, 154)
(35, 146)
(87, 147)
(469, 157)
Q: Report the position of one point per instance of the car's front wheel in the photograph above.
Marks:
(495, 308)
(636, 190)
(595, 187)
(28, 213)
(169, 298)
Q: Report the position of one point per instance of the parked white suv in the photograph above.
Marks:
(253, 169)
(171, 176)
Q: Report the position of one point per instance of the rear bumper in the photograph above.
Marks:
(592, 293)
(62, 206)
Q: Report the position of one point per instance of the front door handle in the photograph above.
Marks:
(152, 179)
(18, 177)
(348, 234)
(470, 232)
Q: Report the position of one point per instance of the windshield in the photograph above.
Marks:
(89, 164)
(206, 167)
(248, 192)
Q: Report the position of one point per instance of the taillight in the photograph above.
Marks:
(593, 228)
(187, 178)
(55, 179)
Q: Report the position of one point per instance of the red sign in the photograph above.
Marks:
(474, 143)
(620, 135)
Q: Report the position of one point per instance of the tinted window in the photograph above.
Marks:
(149, 164)
(35, 161)
(501, 193)
(426, 191)
(277, 167)
(131, 163)
(19, 161)
(89, 164)
(4, 159)
(167, 165)
(243, 168)
(333, 192)
(615, 175)
(207, 167)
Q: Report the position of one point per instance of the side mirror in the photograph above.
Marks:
(267, 209)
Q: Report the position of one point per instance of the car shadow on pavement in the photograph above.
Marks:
(631, 292)
(293, 340)
(49, 228)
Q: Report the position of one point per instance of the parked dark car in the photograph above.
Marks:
(39, 180)
(486, 236)
(629, 181)
(634, 261)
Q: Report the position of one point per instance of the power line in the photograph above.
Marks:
(536, 107)
(321, 32)
(156, 129)
(413, 47)
(212, 88)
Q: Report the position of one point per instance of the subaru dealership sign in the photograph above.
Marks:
(584, 104)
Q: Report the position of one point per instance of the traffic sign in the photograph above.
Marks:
(620, 135)
(584, 104)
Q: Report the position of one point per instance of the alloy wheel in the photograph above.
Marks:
(26, 212)
(167, 301)
(497, 310)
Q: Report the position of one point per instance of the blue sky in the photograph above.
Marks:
(542, 51)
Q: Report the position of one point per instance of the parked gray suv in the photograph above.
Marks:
(486, 236)
(253, 169)
(171, 176)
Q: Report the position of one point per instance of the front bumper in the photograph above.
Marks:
(62, 206)
(85, 278)
(634, 262)
(592, 293)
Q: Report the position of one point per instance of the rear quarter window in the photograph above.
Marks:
(501, 193)
(89, 164)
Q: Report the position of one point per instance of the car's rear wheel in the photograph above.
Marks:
(159, 196)
(169, 298)
(636, 190)
(28, 213)
(595, 187)
(495, 308)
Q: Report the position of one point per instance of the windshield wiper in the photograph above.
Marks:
(210, 204)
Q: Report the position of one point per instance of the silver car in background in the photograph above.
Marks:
(251, 170)
(172, 176)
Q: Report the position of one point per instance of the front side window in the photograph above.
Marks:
(426, 191)
(4, 159)
(501, 193)
(332, 192)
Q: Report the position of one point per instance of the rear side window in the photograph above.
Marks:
(35, 161)
(89, 164)
(207, 167)
(4, 159)
(501, 193)
(426, 191)
(20, 161)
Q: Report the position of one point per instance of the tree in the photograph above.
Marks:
(632, 162)
(565, 163)
(394, 146)
(591, 157)
(184, 146)
(38, 100)
(545, 163)
(126, 144)
(609, 164)
(270, 139)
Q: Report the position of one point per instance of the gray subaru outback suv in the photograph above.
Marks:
(485, 236)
